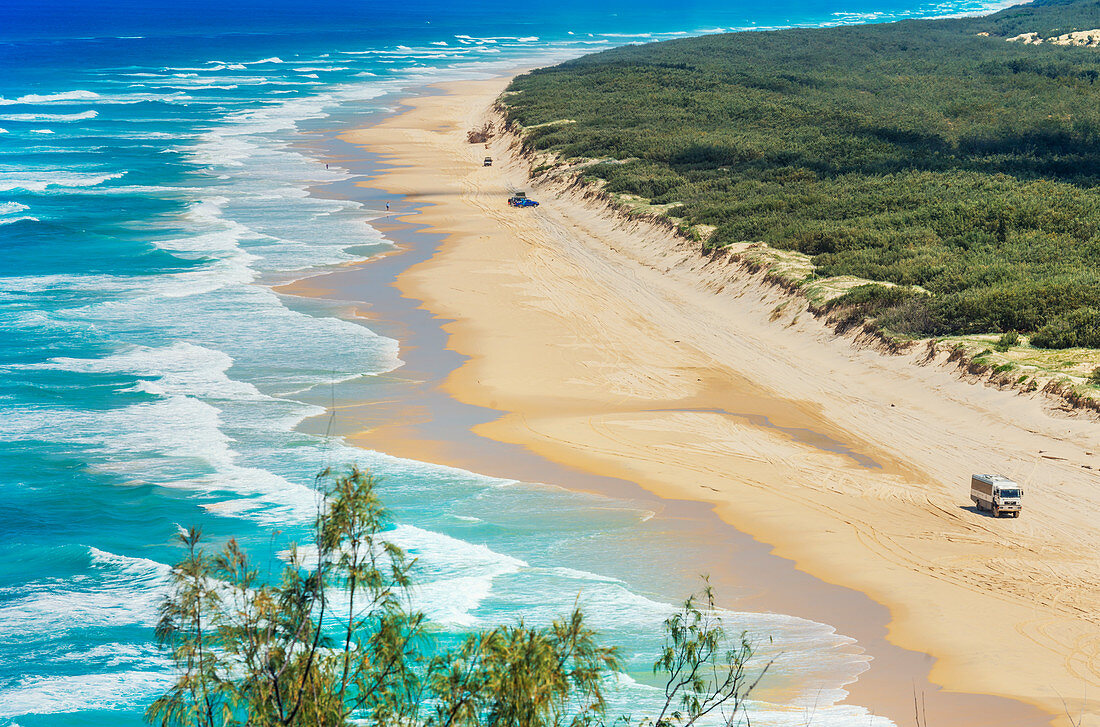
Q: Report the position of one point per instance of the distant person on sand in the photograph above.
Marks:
(387, 206)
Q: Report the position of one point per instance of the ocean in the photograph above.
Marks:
(158, 178)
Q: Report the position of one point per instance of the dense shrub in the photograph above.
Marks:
(649, 180)
(918, 153)
(894, 308)
(871, 298)
(1007, 341)
(1077, 329)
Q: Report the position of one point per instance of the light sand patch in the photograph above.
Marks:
(1078, 38)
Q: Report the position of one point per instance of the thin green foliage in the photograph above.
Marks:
(704, 677)
(332, 639)
(513, 676)
(289, 652)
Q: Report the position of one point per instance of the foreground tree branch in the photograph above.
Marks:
(287, 652)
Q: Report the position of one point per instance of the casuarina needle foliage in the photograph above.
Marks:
(333, 640)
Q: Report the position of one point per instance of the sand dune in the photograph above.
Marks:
(614, 348)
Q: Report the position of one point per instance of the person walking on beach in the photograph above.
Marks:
(387, 206)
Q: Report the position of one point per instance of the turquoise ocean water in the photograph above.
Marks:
(155, 177)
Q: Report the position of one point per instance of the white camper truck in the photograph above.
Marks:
(997, 494)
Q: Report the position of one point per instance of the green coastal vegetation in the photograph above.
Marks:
(334, 640)
(933, 155)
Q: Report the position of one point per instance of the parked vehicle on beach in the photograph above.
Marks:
(488, 162)
(519, 199)
(996, 493)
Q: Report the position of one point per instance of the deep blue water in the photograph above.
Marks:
(153, 185)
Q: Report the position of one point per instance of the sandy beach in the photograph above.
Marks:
(613, 348)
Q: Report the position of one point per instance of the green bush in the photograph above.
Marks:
(872, 298)
(1077, 329)
(893, 308)
(1007, 341)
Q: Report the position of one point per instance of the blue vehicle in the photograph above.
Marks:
(519, 199)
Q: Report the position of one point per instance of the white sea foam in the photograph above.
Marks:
(137, 570)
(472, 39)
(143, 290)
(7, 208)
(199, 402)
(158, 135)
(114, 655)
(176, 97)
(214, 87)
(40, 180)
(811, 661)
(176, 441)
(259, 311)
(34, 98)
(83, 692)
(454, 576)
(117, 591)
(181, 368)
(213, 66)
(83, 115)
(580, 575)
(185, 80)
(10, 213)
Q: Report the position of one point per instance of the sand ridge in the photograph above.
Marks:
(614, 348)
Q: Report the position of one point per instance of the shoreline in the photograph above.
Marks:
(854, 613)
(961, 652)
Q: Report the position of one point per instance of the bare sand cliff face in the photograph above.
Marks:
(611, 346)
(1082, 38)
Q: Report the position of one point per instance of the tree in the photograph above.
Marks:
(289, 653)
(703, 676)
(333, 639)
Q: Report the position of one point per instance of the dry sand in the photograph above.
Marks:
(614, 348)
